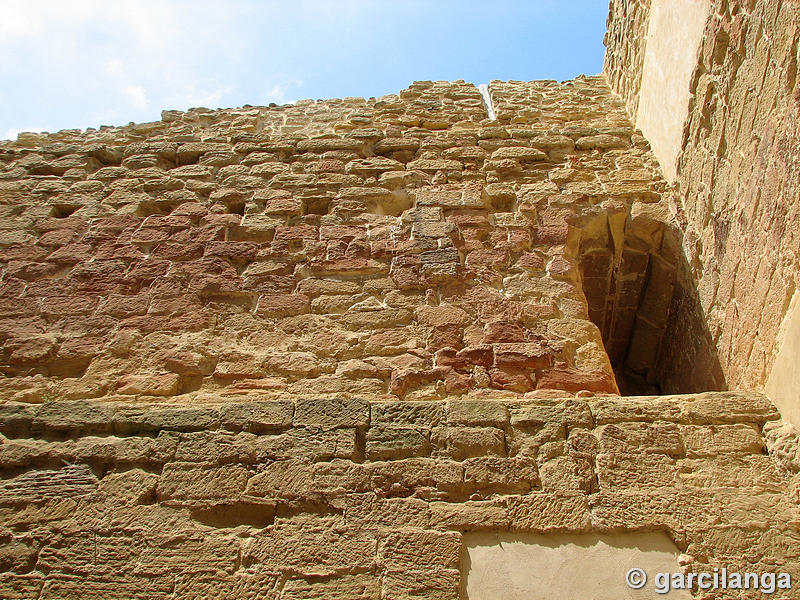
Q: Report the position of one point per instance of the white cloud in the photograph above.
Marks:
(136, 96)
(279, 93)
(113, 67)
(191, 96)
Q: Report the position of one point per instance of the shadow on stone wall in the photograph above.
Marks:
(644, 300)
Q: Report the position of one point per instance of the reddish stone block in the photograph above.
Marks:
(446, 336)
(283, 305)
(531, 262)
(176, 305)
(32, 351)
(296, 232)
(148, 237)
(112, 250)
(193, 210)
(186, 363)
(146, 323)
(145, 272)
(194, 321)
(31, 271)
(487, 259)
(211, 265)
(270, 284)
(125, 306)
(58, 237)
(81, 348)
(148, 385)
(522, 355)
(465, 358)
(554, 235)
(573, 380)
(172, 250)
(510, 380)
(456, 383)
(358, 248)
(71, 253)
(468, 218)
(57, 306)
(51, 287)
(504, 331)
(519, 240)
(404, 379)
(236, 251)
(116, 223)
(171, 222)
(213, 285)
(29, 253)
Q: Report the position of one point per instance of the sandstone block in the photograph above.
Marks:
(719, 439)
(189, 481)
(661, 438)
(371, 512)
(546, 512)
(572, 413)
(496, 475)
(461, 443)
(347, 587)
(331, 413)
(389, 443)
(409, 549)
(257, 417)
(477, 412)
(73, 417)
(635, 470)
(407, 414)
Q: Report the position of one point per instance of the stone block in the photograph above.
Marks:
(331, 413)
(549, 512)
(389, 443)
(477, 413)
(461, 443)
(190, 481)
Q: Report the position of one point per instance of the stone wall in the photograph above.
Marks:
(404, 246)
(674, 36)
(626, 44)
(738, 182)
(350, 499)
(737, 188)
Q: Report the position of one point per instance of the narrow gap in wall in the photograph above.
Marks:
(487, 101)
(641, 296)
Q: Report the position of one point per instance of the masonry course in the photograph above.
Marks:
(302, 351)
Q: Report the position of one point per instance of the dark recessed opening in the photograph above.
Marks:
(641, 296)
(62, 211)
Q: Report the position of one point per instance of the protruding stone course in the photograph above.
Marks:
(290, 499)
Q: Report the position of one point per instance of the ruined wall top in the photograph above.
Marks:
(404, 246)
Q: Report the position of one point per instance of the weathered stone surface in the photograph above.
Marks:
(329, 413)
(298, 351)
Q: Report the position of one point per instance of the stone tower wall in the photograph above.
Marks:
(737, 187)
(401, 247)
(309, 351)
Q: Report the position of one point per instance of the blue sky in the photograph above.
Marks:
(85, 63)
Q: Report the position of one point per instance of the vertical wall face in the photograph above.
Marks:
(626, 40)
(737, 177)
(403, 247)
(674, 35)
